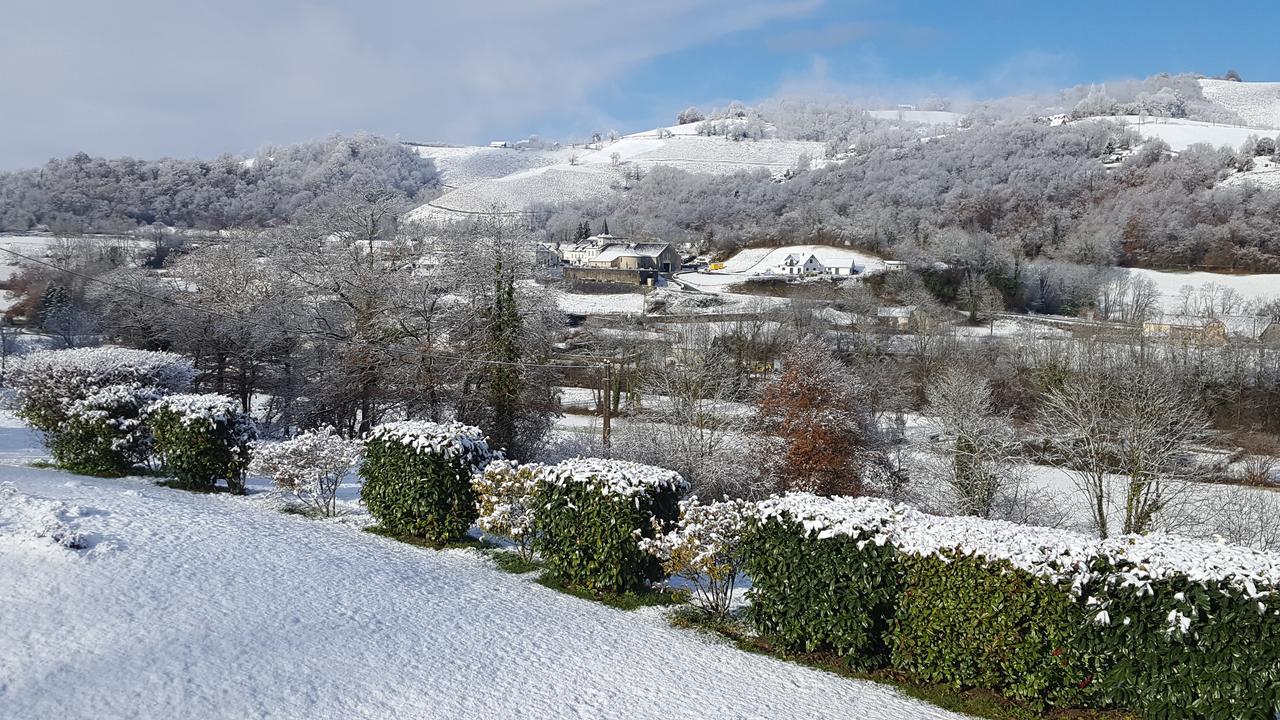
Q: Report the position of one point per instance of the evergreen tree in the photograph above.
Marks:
(503, 384)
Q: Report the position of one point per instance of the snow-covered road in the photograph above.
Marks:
(196, 606)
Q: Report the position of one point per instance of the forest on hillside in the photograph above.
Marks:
(91, 194)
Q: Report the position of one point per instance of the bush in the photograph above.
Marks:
(88, 402)
(592, 515)
(506, 504)
(1166, 626)
(202, 439)
(819, 592)
(103, 432)
(311, 466)
(705, 548)
(417, 477)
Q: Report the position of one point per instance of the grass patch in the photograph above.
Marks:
(981, 703)
(464, 542)
(625, 601)
(512, 562)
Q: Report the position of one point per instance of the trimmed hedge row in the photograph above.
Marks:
(417, 477)
(202, 438)
(591, 516)
(830, 595)
(1167, 627)
(89, 402)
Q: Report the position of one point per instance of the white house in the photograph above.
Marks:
(799, 264)
(580, 252)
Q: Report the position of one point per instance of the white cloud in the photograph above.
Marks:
(149, 77)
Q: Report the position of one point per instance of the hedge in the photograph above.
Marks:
(1168, 627)
(832, 594)
(88, 402)
(417, 477)
(202, 438)
(591, 516)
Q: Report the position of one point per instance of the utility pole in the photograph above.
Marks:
(607, 396)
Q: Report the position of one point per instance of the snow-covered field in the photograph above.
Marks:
(467, 164)
(757, 262)
(611, 304)
(210, 606)
(1257, 103)
(1265, 173)
(1181, 134)
(1254, 288)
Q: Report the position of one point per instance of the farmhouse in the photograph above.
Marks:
(636, 256)
(799, 264)
(609, 259)
(580, 252)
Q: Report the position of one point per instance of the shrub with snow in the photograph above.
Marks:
(103, 432)
(705, 548)
(505, 502)
(417, 477)
(88, 402)
(311, 465)
(1149, 623)
(202, 438)
(592, 515)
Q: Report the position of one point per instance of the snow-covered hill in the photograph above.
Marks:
(1257, 103)
(485, 179)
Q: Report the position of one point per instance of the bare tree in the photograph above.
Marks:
(1125, 437)
(698, 426)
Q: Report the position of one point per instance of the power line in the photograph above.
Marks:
(243, 321)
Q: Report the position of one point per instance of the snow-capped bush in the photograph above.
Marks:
(103, 432)
(705, 548)
(1066, 618)
(417, 477)
(505, 502)
(88, 402)
(311, 465)
(202, 438)
(592, 515)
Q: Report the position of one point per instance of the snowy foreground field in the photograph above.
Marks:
(210, 606)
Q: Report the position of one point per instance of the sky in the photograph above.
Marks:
(198, 78)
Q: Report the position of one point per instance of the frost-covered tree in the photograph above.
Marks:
(976, 454)
(690, 115)
(1125, 435)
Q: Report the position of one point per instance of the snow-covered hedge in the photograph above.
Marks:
(88, 402)
(1167, 626)
(417, 477)
(592, 515)
(202, 438)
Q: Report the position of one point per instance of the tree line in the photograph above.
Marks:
(273, 187)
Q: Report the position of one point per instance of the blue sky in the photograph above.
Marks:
(903, 51)
(156, 77)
